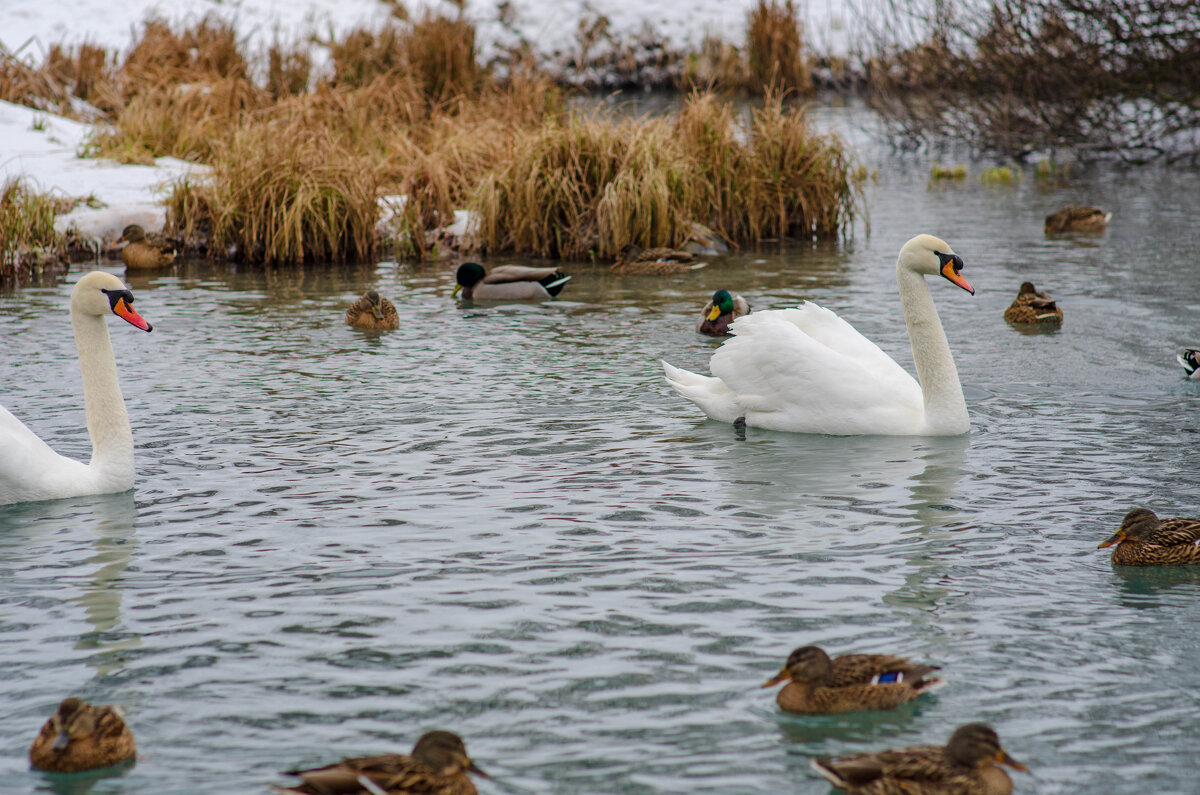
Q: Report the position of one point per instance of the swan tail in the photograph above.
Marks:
(710, 394)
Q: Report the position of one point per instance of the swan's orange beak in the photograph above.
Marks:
(121, 302)
(951, 266)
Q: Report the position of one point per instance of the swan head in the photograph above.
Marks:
(99, 293)
(468, 274)
(932, 255)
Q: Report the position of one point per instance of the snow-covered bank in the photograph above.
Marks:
(43, 149)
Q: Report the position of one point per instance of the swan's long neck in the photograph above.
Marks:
(107, 421)
(945, 408)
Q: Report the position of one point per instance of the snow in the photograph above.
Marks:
(48, 157)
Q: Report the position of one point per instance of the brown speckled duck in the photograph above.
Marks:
(82, 737)
(144, 251)
(508, 283)
(1145, 540)
(1030, 306)
(655, 261)
(372, 311)
(438, 765)
(818, 685)
(1077, 218)
(724, 308)
(967, 765)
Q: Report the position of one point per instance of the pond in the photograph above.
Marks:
(499, 520)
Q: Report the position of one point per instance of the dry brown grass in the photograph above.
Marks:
(27, 234)
(774, 49)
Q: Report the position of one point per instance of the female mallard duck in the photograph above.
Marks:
(1190, 359)
(374, 312)
(1145, 540)
(508, 283)
(808, 371)
(656, 261)
(1077, 218)
(82, 737)
(142, 251)
(723, 309)
(817, 685)
(964, 766)
(1030, 306)
(438, 765)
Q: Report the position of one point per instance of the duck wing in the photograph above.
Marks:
(807, 370)
(1178, 531)
(853, 669)
(519, 273)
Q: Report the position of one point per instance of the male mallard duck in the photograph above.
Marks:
(438, 766)
(657, 261)
(82, 737)
(1145, 540)
(373, 311)
(723, 309)
(142, 251)
(508, 282)
(849, 683)
(964, 766)
(1190, 359)
(1077, 218)
(1030, 306)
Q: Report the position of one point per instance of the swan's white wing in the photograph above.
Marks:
(710, 394)
(29, 469)
(808, 370)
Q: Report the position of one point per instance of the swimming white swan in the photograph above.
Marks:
(29, 469)
(807, 370)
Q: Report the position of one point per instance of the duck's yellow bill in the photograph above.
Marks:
(783, 675)
(1117, 538)
(1004, 759)
(714, 313)
(457, 287)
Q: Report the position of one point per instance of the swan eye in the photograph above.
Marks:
(115, 296)
(953, 260)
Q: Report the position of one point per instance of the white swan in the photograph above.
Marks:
(29, 469)
(807, 370)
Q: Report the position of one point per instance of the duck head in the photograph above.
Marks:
(1138, 525)
(978, 742)
(722, 304)
(468, 275)
(808, 665)
(444, 753)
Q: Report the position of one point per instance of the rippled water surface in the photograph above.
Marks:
(499, 520)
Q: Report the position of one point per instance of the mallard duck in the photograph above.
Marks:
(373, 311)
(82, 737)
(1077, 218)
(1030, 306)
(818, 685)
(438, 765)
(808, 371)
(964, 766)
(658, 261)
(1190, 359)
(144, 251)
(723, 309)
(508, 282)
(1145, 540)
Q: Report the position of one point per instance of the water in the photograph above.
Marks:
(500, 521)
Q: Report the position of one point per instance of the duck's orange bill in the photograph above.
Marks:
(714, 313)
(953, 275)
(126, 312)
(779, 677)
(1004, 759)
(1117, 538)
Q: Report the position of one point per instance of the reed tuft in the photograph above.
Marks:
(774, 49)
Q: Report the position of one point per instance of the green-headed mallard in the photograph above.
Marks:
(1077, 218)
(1190, 361)
(144, 251)
(818, 685)
(82, 737)
(438, 765)
(723, 309)
(508, 282)
(373, 311)
(1145, 540)
(658, 261)
(964, 766)
(1030, 306)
